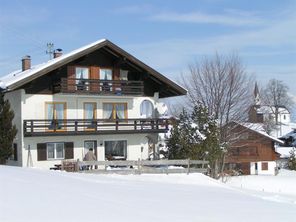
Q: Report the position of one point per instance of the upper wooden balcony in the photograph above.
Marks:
(100, 87)
(64, 127)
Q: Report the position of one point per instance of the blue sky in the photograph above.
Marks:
(167, 35)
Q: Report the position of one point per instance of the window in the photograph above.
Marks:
(115, 110)
(82, 76)
(56, 112)
(284, 116)
(55, 151)
(264, 166)
(90, 114)
(116, 150)
(146, 109)
(106, 76)
(14, 153)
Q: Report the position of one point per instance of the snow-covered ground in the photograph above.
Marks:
(38, 195)
(280, 188)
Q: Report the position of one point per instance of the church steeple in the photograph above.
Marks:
(257, 99)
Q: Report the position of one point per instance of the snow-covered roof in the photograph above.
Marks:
(18, 78)
(258, 128)
(267, 109)
(18, 75)
(284, 151)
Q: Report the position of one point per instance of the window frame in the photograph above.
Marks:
(103, 86)
(125, 151)
(77, 79)
(90, 127)
(264, 166)
(55, 151)
(63, 128)
(114, 110)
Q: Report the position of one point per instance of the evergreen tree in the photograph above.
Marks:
(195, 136)
(7, 130)
(292, 160)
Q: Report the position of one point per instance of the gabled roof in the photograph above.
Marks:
(18, 78)
(258, 128)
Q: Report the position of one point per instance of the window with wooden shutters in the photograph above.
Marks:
(55, 151)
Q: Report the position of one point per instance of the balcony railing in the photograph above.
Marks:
(96, 86)
(93, 126)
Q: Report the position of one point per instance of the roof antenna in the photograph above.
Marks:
(49, 50)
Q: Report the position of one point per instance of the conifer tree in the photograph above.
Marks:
(292, 160)
(195, 136)
(7, 129)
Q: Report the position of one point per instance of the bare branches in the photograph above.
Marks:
(222, 85)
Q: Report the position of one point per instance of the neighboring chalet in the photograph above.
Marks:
(98, 96)
(252, 150)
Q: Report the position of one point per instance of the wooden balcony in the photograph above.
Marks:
(100, 87)
(93, 127)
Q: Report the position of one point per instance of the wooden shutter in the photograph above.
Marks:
(95, 149)
(41, 151)
(71, 79)
(94, 74)
(15, 151)
(69, 150)
(116, 73)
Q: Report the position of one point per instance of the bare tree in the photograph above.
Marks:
(221, 84)
(276, 97)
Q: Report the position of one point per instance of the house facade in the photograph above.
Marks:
(98, 96)
(252, 150)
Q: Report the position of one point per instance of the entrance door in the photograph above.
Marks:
(90, 144)
(256, 168)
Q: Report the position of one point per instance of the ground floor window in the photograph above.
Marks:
(264, 166)
(116, 150)
(55, 150)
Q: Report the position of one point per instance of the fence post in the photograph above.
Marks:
(77, 166)
(188, 166)
(139, 165)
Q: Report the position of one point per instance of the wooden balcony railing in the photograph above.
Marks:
(93, 126)
(96, 86)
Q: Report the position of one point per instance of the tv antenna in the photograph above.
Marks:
(50, 50)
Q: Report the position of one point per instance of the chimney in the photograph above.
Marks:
(26, 63)
(57, 53)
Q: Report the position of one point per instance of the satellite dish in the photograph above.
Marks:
(162, 109)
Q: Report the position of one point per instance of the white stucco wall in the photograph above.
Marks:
(270, 171)
(34, 105)
(134, 144)
(29, 106)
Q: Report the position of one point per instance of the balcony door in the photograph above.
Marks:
(90, 115)
(82, 78)
(55, 112)
(105, 78)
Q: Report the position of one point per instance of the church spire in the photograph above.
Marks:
(257, 100)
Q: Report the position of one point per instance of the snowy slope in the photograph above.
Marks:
(38, 195)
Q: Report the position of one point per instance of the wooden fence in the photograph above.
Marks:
(137, 166)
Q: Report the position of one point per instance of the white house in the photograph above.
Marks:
(98, 96)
